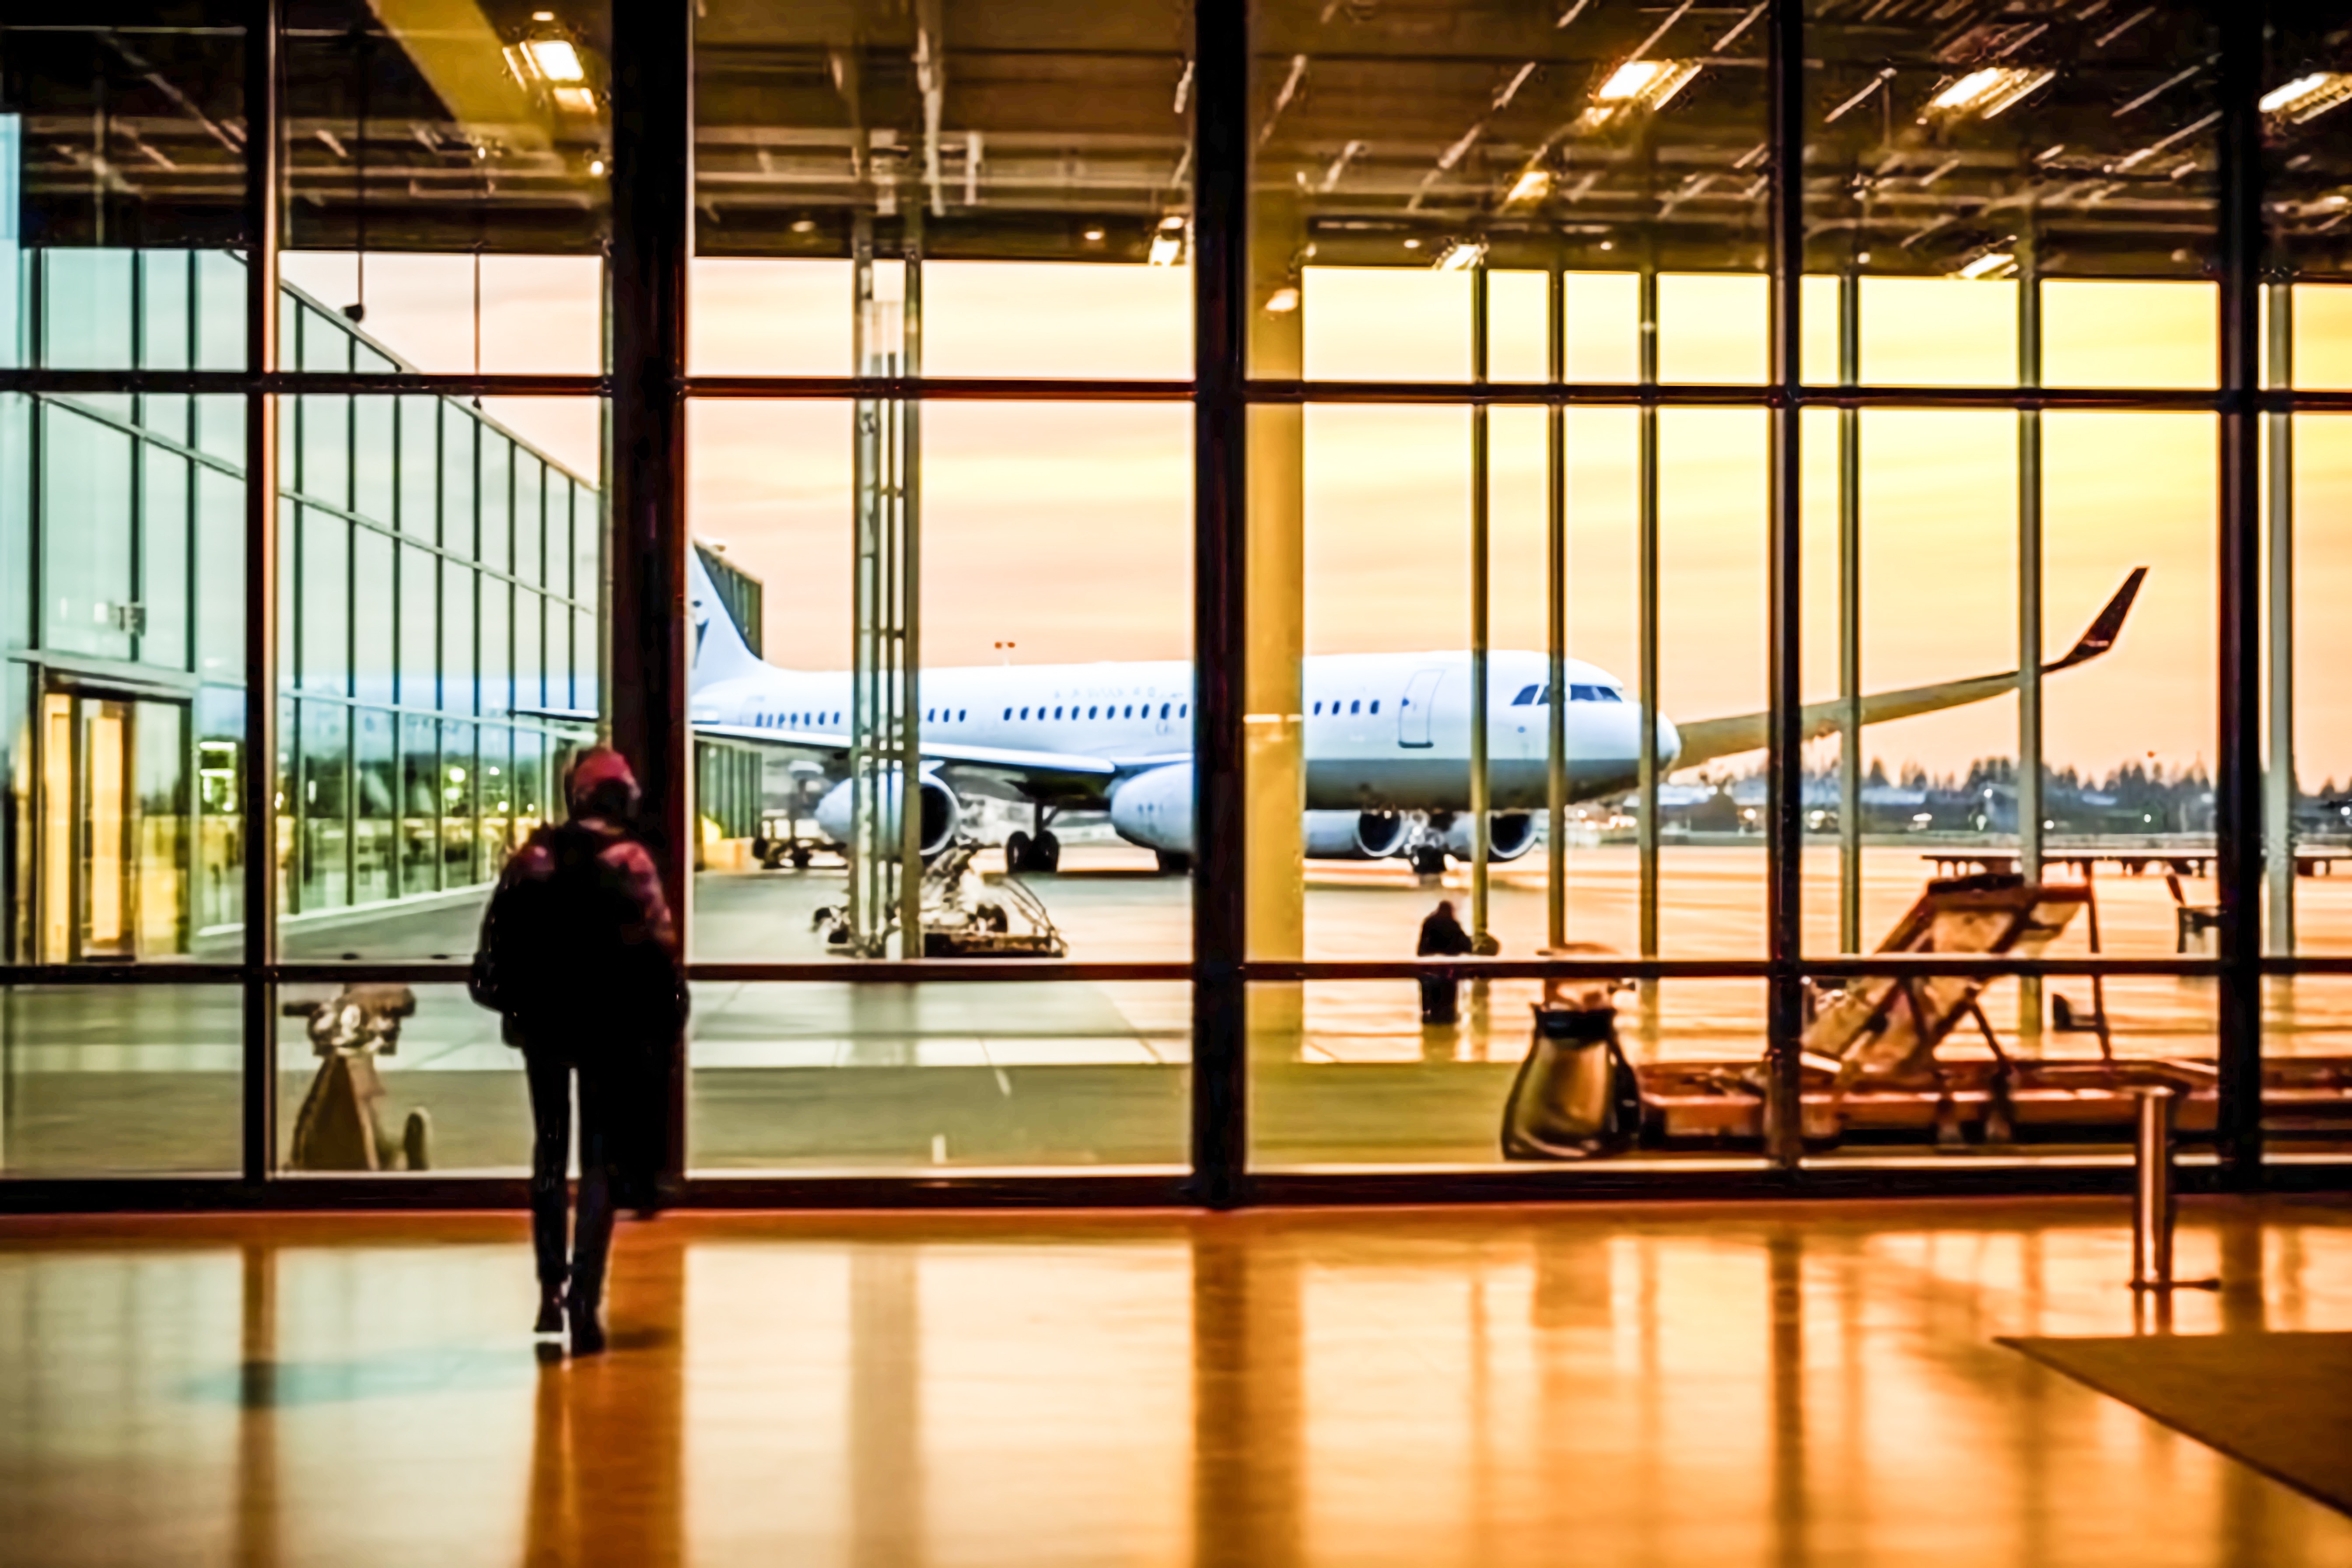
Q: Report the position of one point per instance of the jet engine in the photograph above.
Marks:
(942, 812)
(1355, 835)
(1155, 809)
(1509, 835)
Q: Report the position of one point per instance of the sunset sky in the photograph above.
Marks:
(1065, 529)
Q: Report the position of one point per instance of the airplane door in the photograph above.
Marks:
(1420, 705)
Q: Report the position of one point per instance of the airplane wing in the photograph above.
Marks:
(1706, 740)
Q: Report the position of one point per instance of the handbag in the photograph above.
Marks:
(1576, 1096)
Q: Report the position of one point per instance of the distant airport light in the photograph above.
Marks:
(1460, 256)
(1992, 264)
(1282, 300)
(2307, 98)
(1990, 91)
(1529, 188)
(555, 59)
(1168, 241)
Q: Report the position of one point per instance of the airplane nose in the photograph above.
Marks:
(1670, 743)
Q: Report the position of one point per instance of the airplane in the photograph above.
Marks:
(1387, 739)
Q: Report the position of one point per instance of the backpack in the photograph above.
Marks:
(556, 960)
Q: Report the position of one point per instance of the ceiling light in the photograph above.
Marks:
(1992, 264)
(1413, 245)
(1282, 300)
(1460, 256)
(596, 165)
(555, 59)
(575, 99)
(1529, 188)
(1094, 236)
(2308, 96)
(1990, 91)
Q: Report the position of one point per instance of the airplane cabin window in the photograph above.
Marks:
(1164, 710)
(1376, 704)
(1090, 713)
(1526, 695)
(1357, 706)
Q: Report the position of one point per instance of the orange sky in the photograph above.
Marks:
(1066, 528)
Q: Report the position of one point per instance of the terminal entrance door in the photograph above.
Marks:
(113, 838)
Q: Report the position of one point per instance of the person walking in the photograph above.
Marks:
(1442, 936)
(579, 955)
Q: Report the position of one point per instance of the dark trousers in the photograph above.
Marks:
(600, 1159)
(1440, 999)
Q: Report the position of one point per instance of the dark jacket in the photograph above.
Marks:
(578, 950)
(1442, 936)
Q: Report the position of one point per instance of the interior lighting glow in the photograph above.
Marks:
(1992, 264)
(1626, 82)
(1529, 188)
(1460, 256)
(555, 59)
(1282, 300)
(1990, 91)
(575, 100)
(2308, 96)
(1168, 242)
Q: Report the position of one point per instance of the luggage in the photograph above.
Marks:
(1576, 1097)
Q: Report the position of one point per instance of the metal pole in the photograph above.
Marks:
(2279, 797)
(1849, 324)
(1555, 609)
(1784, 842)
(263, 149)
(910, 600)
(1221, 318)
(1479, 539)
(1645, 578)
(2237, 775)
(2152, 1209)
(652, 237)
(2029, 806)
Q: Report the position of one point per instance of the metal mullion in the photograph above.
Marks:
(2030, 557)
(1784, 821)
(1481, 563)
(1849, 543)
(2237, 777)
(1645, 574)
(652, 240)
(2280, 788)
(263, 107)
(1555, 610)
(1221, 318)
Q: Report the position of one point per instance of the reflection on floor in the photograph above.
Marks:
(145, 1079)
(1640, 1384)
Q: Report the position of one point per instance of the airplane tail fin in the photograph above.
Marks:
(719, 651)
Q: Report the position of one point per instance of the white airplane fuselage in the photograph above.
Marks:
(1381, 731)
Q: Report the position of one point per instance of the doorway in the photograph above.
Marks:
(114, 839)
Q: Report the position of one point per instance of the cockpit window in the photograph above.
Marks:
(1527, 694)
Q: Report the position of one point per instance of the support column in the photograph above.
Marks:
(1555, 609)
(2237, 766)
(1848, 305)
(1784, 816)
(263, 153)
(910, 598)
(1645, 581)
(2279, 794)
(652, 237)
(1222, 305)
(2031, 809)
(1481, 553)
(1276, 556)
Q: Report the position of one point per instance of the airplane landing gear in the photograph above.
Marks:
(1174, 863)
(1428, 860)
(1025, 854)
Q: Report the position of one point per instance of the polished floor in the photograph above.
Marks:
(1638, 1385)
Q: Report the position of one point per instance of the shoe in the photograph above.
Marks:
(551, 1310)
(587, 1326)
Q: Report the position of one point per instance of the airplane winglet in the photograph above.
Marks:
(2104, 630)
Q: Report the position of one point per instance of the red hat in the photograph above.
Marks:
(598, 766)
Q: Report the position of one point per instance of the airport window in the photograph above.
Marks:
(2031, 296)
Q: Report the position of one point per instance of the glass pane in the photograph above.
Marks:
(457, 689)
(323, 603)
(163, 585)
(323, 772)
(420, 661)
(88, 591)
(448, 196)
(372, 663)
(1044, 184)
(2307, 82)
(420, 805)
(122, 1080)
(372, 814)
(910, 1078)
